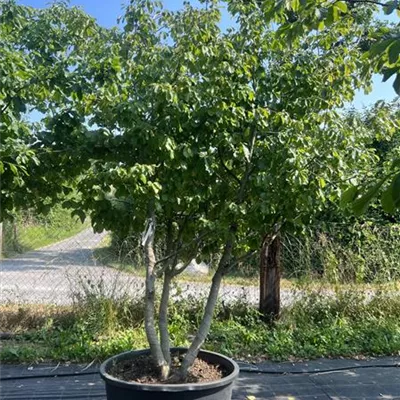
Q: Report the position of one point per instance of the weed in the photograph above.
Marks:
(347, 324)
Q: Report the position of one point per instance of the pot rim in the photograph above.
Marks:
(160, 387)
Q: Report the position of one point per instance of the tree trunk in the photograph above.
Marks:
(163, 318)
(205, 324)
(270, 277)
(150, 327)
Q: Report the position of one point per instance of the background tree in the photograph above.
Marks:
(39, 50)
(382, 52)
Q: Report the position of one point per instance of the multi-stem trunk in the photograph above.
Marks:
(151, 333)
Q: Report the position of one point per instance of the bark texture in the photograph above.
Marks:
(163, 319)
(151, 333)
(270, 276)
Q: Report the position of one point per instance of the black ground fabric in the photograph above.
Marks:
(342, 379)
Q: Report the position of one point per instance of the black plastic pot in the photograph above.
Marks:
(218, 390)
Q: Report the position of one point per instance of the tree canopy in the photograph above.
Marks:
(39, 50)
(205, 140)
(381, 47)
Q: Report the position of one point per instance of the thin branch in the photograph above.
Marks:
(163, 319)
(205, 324)
(229, 171)
(376, 3)
(175, 253)
(177, 246)
(178, 271)
(3, 110)
(33, 81)
(241, 259)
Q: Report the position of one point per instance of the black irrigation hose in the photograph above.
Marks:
(242, 369)
(41, 376)
(320, 371)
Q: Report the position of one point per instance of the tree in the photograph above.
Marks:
(382, 49)
(383, 121)
(208, 141)
(38, 52)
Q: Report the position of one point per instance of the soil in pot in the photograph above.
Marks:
(142, 370)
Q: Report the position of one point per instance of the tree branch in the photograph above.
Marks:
(209, 309)
(3, 110)
(229, 171)
(176, 253)
(376, 3)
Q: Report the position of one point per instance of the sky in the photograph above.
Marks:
(107, 11)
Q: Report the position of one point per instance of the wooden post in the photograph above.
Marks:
(270, 277)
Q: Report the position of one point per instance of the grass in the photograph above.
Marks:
(34, 237)
(106, 255)
(30, 232)
(346, 326)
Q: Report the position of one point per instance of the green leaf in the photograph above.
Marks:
(342, 6)
(143, 178)
(380, 47)
(396, 84)
(361, 204)
(348, 196)
(387, 200)
(396, 190)
(396, 163)
(295, 5)
(80, 214)
(390, 6)
(394, 51)
(13, 168)
(388, 72)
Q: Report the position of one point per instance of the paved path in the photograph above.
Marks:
(376, 379)
(45, 275)
(58, 273)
